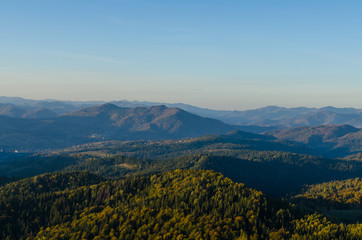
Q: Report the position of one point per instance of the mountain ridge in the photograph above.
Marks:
(255, 119)
(340, 139)
(106, 121)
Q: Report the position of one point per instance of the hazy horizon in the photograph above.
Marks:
(215, 54)
(146, 101)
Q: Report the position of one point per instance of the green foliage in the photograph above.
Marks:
(346, 194)
(30, 203)
(252, 161)
(179, 204)
(318, 227)
(48, 182)
(183, 204)
(222, 145)
(275, 173)
(117, 166)
(280, 174)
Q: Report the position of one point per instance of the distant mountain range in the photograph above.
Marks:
(23, 112)
(105, 122)
(257, 120)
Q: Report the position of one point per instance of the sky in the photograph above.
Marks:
(232, 55)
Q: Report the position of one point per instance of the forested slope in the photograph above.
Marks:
(345, 194)
(183, 204)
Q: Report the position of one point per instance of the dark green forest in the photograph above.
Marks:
(236, 186)
(345, 194)
(276, 168)
(182, 204)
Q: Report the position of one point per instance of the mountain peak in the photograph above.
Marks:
(108, 107)
(96, 110)
(158, 107)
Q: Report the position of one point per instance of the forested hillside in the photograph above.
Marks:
(346, 194)
(330, 140)
(165, 190)
(340, 200)
(273, 167)
(174, 205)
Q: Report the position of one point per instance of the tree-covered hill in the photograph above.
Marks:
(276, 168)
(235, 141)
(105, 158)
(346, 194)
(340, 200)
(250, 158)
(27, 204)
(282, 175)
(50, 182)
(182, 204)
(331, 140)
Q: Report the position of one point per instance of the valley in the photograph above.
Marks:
(97, 154)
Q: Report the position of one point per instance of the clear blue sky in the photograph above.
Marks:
(216, 54)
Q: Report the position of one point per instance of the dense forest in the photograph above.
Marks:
(276, 168)
(275, 173)
(199, 188)
(345, 194)
(339, 200)
(182, 204)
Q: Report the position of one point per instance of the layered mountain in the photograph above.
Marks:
(279, 117)
(12, 110)
(153, 121)
(327, 116)
(15, 111)
(57, 106)
(105, 122)
(337, 140)
(255, 120)
(271, 116)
